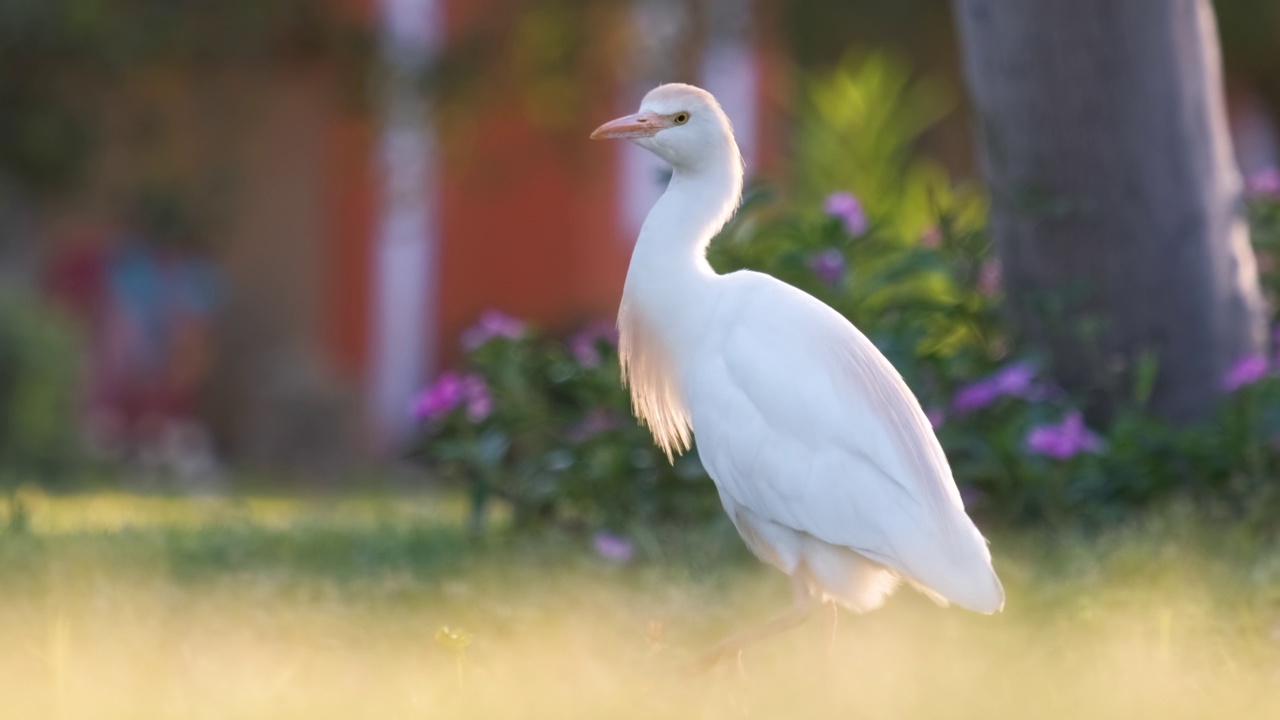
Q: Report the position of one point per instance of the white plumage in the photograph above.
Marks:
(817, 445)
(822, 456)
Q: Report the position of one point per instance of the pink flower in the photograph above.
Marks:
(439, 398)
(613, 548)
(828, 265)
(492, 324)
(1246, 371)
(1264, 183)
(1065, 440)
(479, 402)
(584, 345)
(989, 277)
(450, 391)
(1014, 379)
(845, 207)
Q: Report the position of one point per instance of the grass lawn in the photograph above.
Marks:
(117, 606)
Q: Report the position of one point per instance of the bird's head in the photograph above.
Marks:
(681, 124)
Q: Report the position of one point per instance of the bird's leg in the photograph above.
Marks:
(835, 624)
(801, 608)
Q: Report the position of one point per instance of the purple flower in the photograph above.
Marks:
(845, 207)
(613, 548)
(1264, 183)
(584, 344)
(492, 324)
(828, 265)
(1065, 440)
(450, 391)
(937, 417)
(1013, 379)
(439, 398)
(1246, 371)
(479, 402)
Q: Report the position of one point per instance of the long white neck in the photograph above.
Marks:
(669, 276)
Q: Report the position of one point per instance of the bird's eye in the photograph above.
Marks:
(681, 118)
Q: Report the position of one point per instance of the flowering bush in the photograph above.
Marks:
(544, 425)
(547, 426)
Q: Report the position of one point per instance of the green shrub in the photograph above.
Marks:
(547, 427)
(38, 392)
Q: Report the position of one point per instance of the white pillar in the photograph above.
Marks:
(729, 70)
(406, 242)
(656, 27)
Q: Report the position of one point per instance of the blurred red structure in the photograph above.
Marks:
(360, 239)
(359, 244)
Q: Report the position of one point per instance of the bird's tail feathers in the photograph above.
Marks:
(847, 577)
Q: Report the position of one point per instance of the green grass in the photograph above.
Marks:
(115, 606)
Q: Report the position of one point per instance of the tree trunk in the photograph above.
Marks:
(1116, 205)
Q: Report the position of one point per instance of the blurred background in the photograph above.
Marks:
(248, 235)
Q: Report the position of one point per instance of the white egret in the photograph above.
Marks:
(821, 454)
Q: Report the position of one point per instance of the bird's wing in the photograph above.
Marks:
(799, 418)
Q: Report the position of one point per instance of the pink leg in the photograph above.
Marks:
(835, 624)
(801, 608)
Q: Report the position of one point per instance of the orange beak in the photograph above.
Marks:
(639, 125)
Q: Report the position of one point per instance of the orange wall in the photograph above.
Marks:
(352, 208)
(528, 220)
(527, 230)
(528, 212)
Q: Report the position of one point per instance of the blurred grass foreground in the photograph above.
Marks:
(132, 607)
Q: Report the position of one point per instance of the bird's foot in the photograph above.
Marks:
(713, 658)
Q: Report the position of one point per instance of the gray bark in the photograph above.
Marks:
(1116, 204)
